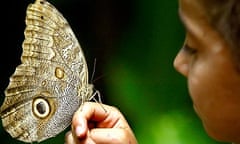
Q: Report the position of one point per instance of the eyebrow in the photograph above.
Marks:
(180, 15)
(192, 27)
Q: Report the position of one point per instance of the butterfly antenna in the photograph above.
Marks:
(94, 68)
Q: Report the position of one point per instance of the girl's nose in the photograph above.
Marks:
(181, 63)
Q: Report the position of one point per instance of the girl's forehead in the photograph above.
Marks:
(192, 10)
(191, 7)
(210, 9)
(194, 19)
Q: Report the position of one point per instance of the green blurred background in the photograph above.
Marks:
(134, 43)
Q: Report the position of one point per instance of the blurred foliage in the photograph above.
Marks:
(134, 42)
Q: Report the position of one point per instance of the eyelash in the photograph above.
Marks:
(189, 49)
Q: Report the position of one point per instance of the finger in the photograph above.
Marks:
(100, 113)
(94, 111)
(69, 138)
(112, 136)
(89, 111)
(101, 123)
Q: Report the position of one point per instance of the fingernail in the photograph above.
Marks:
(79, 130)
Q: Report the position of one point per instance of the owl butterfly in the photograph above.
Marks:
(52, 80)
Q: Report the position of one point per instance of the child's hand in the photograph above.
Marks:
(98, 123)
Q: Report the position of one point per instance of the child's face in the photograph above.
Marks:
(213, 80)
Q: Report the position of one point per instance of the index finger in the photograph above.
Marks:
(93, 111)
(103, 116)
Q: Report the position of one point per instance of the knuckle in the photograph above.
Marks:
(115, 109)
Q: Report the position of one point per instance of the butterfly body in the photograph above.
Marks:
(52, 80)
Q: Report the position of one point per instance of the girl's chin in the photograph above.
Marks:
(197, 110)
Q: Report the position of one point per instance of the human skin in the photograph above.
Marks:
(213, 82)
(206, 60)
(96, 123)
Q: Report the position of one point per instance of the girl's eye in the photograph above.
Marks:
(188, 49)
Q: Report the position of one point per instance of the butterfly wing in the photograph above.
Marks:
(52, 81)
